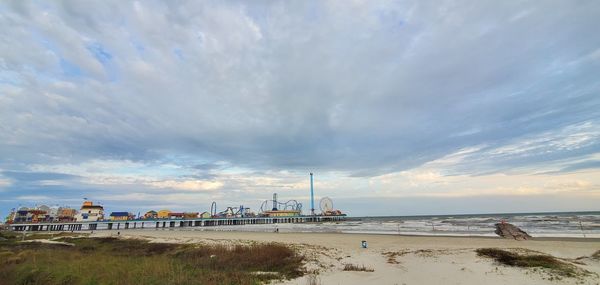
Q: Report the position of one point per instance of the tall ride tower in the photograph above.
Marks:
(312, 197)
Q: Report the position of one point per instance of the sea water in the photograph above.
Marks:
(563, 224)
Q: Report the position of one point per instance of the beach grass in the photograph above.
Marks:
(535, 260)
(313, 279)
(354, 267)
(129, 261)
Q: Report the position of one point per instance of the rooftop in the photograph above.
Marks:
(92, 207)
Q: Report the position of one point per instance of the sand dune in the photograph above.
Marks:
(404, 259)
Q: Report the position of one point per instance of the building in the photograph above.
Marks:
(120, 216)
(163, 214)
(30, 215)
(332, 213)
(150, 215)
(22, 215)
(66, 214)
(44, 214)
(175, 215)
(90, 212)
(205, 215)
(53, 213)
(281, 213)
(228, 213)
(38, 216)
(190, 215)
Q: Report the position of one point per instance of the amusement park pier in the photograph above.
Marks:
(91, 216)
(164, 224)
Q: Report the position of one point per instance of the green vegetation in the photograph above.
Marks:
(531, 260)
(353, 267)
(126, 261)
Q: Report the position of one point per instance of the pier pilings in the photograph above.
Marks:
(158, 224)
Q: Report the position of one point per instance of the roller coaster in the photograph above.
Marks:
(291, 205)
(274, 208)
(239, 212)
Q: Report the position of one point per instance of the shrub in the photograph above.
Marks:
(352, 267)
(525, 260)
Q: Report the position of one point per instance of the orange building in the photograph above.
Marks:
(65, 214)
(192, 215)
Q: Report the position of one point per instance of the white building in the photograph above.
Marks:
(90, 212)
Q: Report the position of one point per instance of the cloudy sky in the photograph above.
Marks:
(400, 108)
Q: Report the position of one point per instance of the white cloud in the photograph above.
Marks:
(5, 182)
(188, 185)
(36, 198)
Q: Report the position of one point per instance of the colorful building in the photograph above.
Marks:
(22, 215)
(151, 215)
(190, 215)
(332, 213)
(90, 212)
(163, 214)
(45, 215)
(175, 215)
(282, 213)
(30, 215)
(38, 215)
(205, 215)
(66, 214)
(120, 216)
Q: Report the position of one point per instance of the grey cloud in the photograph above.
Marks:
(367, 89)
(36, 176)
(591, 164)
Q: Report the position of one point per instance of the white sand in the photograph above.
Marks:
(421, 260)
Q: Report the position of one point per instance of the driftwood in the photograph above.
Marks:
(507, 230)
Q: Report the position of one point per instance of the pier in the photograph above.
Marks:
(168, 223)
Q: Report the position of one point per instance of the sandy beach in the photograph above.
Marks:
(397, 259)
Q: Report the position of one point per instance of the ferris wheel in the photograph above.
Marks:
(326, 204)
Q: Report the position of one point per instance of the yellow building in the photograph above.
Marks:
(205, 215)
(282, 213)
(163, 214)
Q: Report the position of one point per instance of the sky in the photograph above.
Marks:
(398, 107)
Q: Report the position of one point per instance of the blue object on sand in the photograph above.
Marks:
(364, 244)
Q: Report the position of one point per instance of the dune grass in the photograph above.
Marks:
(125, 261)
(354, 267)
(530, 261)
(313, 279)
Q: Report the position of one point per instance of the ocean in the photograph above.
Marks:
(562, 224)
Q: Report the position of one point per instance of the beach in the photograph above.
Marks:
(403, 259)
